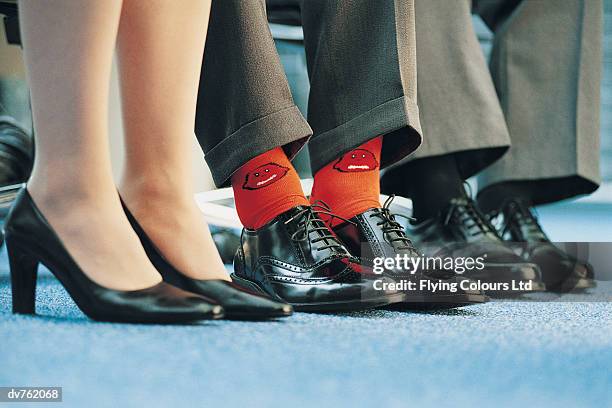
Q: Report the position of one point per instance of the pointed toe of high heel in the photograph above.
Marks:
(237, 303)
(162, 303)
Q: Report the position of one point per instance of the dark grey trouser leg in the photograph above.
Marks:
(546, 64)
(244, 103)
(362, 69)
(460, 112)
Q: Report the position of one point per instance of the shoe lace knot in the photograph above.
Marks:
(463, 211)
(310, 227)
(393, 230)
(520, 218)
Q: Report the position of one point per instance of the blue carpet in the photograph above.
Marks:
(555, 353)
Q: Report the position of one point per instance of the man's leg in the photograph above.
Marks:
(245, 107)
(462, 120)
(362, 68)
(362, 65)
(546, 64)
(249, 128)
(465, 131)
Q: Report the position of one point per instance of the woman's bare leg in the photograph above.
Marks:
(160, 44)
(68, 48)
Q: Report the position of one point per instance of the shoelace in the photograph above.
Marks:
(308, 221)
(389, 225)
(521, 215)
(464, 211)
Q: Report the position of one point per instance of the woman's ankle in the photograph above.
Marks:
(58, 199)
(150, 194)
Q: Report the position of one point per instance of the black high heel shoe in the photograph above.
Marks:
(237, 302)
(30, 240)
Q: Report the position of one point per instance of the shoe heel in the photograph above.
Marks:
(24, 269)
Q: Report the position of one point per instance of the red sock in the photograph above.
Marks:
(265, 187)
(350, 184)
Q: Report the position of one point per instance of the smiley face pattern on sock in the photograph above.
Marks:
(265, 187)
(264, 175)
(356, 160)
(350, 184)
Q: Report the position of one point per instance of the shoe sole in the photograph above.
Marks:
(249, 317)
(349, 306)
(437, 302)
(165, 320)
(326, 307)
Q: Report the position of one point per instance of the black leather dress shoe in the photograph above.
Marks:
(463, 231)
(16, 152)
(561, 272)
(296, 258)
(16, 158)
(238, 303)
(375, 233)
